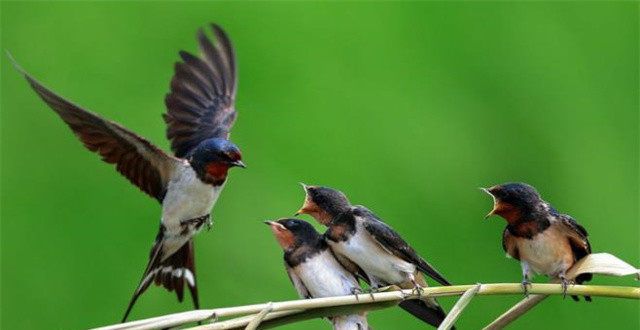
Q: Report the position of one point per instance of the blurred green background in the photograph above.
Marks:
(407, 107)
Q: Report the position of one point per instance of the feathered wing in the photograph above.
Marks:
(426, 309)
(171, 272)
(392, 242)
(200, 105)
(577, 236)
(351, 267)
(142, 163)
(509, 244)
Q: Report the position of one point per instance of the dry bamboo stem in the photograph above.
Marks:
(516, 311)
(457, 309)
(394, 296)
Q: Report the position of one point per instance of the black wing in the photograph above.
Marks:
(579, 243)
(142, 163)
(509, 244)
(203, 89)
(351, 267)
(392, 242)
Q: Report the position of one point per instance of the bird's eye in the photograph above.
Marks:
(292, 224)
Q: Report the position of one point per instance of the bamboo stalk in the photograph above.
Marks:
(253, 325)
(351, 300)
(457, 309)
(243, 321)
(516, 311)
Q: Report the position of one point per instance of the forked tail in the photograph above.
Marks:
(429, 313)
(171, 273)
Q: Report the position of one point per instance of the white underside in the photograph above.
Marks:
(323, 276)
(380, 265)
(544, 253)
(187, 198)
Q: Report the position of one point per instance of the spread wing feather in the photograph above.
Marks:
(200, 104)
(142, 163)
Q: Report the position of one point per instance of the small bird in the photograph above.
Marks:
(543, 240)
(371, 249)
(314, 270)
(199, 118)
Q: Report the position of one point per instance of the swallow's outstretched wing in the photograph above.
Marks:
(392, 242)
(201, 102)
(137, 159)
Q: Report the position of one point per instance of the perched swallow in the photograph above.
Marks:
(314, 270)
(545, 241)
(199, 118)
(372, 249)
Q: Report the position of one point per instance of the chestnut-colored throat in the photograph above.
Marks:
(284, 237)
(311, 208)
(216, 173)
(322, 217)
(508, 211)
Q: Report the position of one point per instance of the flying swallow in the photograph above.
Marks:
(314, 270)
(543, 240)
(382, 257)
(199, 117)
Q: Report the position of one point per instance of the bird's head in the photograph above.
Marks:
(212, 158)
(292, 233)
(512, 201)
(323, 204)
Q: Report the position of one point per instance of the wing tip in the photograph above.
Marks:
(13, 61)
(19, 68)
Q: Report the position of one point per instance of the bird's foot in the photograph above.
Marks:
(196, 223)
(356, 292)
(564, 281)
(525, 286)
(417, 290)
(371, 290)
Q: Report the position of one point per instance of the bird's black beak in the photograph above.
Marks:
(268, 223)
(238, 163)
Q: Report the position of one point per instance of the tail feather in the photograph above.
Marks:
(581, 279)
(432, 314)
(171, 273)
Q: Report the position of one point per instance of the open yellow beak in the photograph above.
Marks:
(495, 203)
(307, 206)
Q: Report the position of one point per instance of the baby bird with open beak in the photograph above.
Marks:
(543, 240)
(313, 269)
(373, 250)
